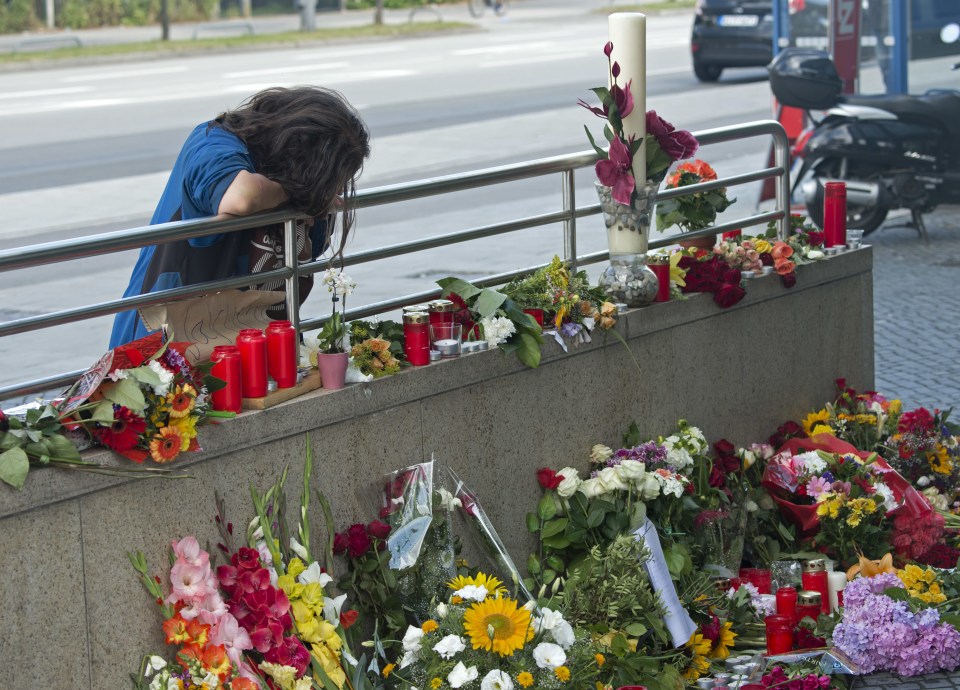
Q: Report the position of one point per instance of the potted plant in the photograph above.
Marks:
(332, 357)
(694, 211)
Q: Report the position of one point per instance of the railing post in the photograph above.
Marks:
(781, 152)
(570, 223)
(293, 282)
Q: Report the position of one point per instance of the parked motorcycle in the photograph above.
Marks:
(898, 151)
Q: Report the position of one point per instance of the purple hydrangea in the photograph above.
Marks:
(881, 634)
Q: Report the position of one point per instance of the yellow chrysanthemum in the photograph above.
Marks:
(699, 664)
(601, 659)
(721, 650)
(562, 673)
(436, 682)
(524, 679)
(498, 624)
(829, 504)
(429, 626)
(493, 585)
(814, 419)
(387, 670)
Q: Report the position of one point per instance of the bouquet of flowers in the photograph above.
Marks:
(571, 305)
(664, 143)
(865, 420)
(373, 357)
(265, 619)
(708, 272)
(484, 634)
(692, 211)
(497, 318)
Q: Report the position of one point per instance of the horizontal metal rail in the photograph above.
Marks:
(565, 165)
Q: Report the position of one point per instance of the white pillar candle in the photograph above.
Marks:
(836, 582)
(628, 33)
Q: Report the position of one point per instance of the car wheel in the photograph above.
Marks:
(707, 72)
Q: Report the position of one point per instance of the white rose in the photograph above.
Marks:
(563, 635)
(571, 482)
(610, 480)
(651, 487)
(154, 663)
(937, 500)
(461, 675)
(923, 481)
(496, 680)
(814, 254)
(591, 488)
(411, 639)
(472, 592)
(549, 655)
(599, 454)
(449, 646)
(631, 470)
(441, 610)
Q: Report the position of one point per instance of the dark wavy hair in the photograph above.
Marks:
(308, 139)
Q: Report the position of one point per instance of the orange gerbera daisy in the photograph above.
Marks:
(165, 447)
(182, 400)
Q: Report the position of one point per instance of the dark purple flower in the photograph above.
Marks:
(616, 172)
(677, 144)
(623, 99)
(615, 70)
(608, 49)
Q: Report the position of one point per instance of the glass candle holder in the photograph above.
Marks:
(446, 339)
(758, 577)
(252, 344)
(416, 338)
(814, 579)
(785, 573)
(227, 368)
(835, 214)
(779, 631)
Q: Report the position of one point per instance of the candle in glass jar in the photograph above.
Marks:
(226, 367)
(416, 338)
(660, 265)
(441, 311)
(787, 602)
(779, 634)
(282, 353)
(808, 605)
(814, 579)
(252, 344)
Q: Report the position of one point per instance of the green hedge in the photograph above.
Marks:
(24, 15)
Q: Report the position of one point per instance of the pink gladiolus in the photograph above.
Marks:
(290, 652)
(266, 637)
(189, 582)
(235, 639)
(188, 550)
(616, 172)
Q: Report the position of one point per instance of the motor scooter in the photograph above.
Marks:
(892, 151)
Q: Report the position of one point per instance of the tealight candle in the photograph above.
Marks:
(448, 347)
(483, 345)
(434, 355)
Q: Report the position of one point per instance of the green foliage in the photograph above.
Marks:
(331, 336)
(37, 439)
(388, 330)
(693, 211)
(17, 16)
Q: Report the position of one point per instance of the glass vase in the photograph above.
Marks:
(721, 532)
(628, 280)
(628, 226)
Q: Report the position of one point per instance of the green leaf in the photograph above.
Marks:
(488, 302)
(533, 565)
(145, 375)
(549, 576)
(533, 523)
(529, 352)
(558, 542)
(632, 437)
(595, 517)
(951, 618)
(554, 527)
(14, 466)
(62, 448)
(635, 629)
(103, 413)
(127, 394)
(465, 290)
(546, 509)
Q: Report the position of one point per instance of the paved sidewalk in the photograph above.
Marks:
(917, 311)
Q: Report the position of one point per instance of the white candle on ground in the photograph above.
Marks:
(448, 347)
(628, 33)
(836, 582)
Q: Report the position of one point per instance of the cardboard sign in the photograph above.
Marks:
(212, 320)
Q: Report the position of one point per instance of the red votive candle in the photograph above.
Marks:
(282, 353)
(252, 344)
(814, 579)
(660, 265)
(787, 602)
(758, 577)
(835, 214)
(416, 337)
(226, 366)
(779, 634)
(537, 315)
(808, 605)
(441, 311)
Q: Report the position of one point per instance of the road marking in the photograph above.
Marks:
(125, 74)
(46, 92)
(534, 59)
(289, 69)
(348, 52)
(509, 48)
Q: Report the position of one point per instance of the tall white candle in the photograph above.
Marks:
(836, 582)
(628, 33)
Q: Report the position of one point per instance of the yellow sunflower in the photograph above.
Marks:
(498, 625)
(722, 648)
(699, 646)
(492, 584)
(815, 419)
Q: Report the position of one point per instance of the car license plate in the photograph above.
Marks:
(738, 20)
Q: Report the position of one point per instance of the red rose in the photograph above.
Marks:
(717, 478)
(548, 479)
(766, 259)
(815, 237)
(789, 280)
(729, 294)
(378, 530)
(724, 447)
(348, 618)
(358, 542)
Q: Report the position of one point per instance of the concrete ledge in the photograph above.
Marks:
(736, 373)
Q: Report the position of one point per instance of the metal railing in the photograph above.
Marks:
(565, 166)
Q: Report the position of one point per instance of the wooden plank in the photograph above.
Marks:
(310, 382)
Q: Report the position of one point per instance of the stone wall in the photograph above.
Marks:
(73, 615)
